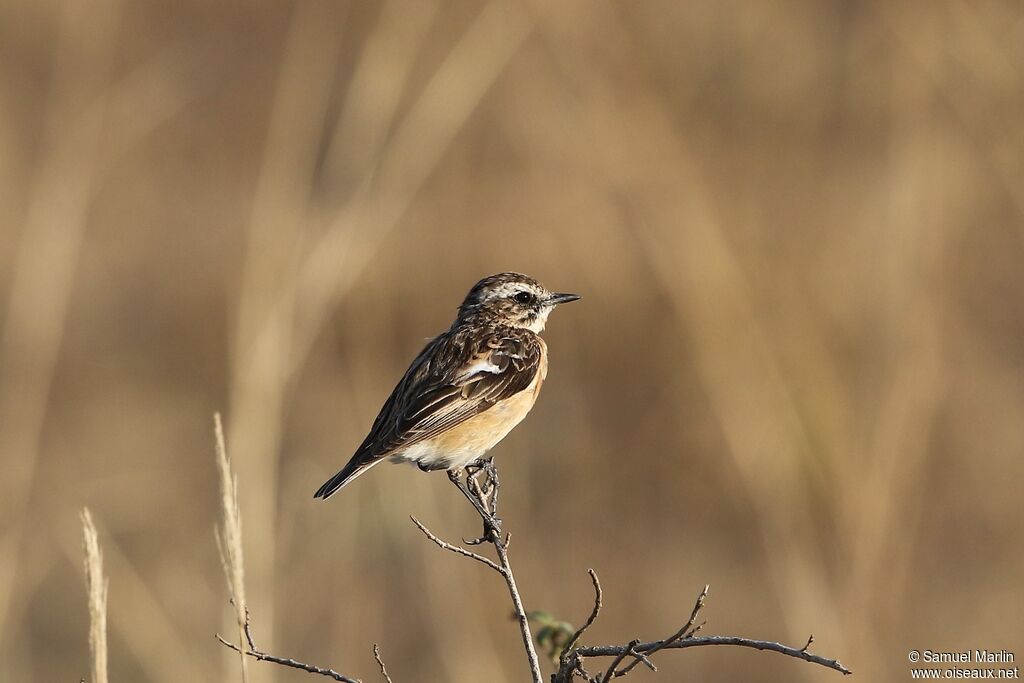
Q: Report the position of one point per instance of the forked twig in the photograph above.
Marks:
(611, 672)
(684, 632)
(571, 661)
(484, 498)
(768, 645)
(229, 542)
(261, 656)
(598, 595)
(457, 549)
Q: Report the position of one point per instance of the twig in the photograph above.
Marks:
(261, 656)
(571, 661)
(380, 663)
(229, 541)
(484, 500)
(681, 633)
(646, 648)
(611, 673)
(458, 550)
(475, 501)
(582, 671)
(513, 591)
(593, 614)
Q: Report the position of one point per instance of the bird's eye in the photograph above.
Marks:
(523, 297)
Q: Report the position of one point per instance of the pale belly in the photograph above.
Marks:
(471, 440)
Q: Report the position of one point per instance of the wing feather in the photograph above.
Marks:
(457, 376)
(479, 374)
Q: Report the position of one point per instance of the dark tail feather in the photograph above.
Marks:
(352, 470)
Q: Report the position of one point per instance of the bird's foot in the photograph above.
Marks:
(492, 475)
(483, 496)
(470, 490)
(483, 466)
(491, 531)
(473, 471)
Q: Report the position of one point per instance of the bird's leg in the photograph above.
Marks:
(455, 478)
(471, 490)
(492, 482)
(490, 502)
(473, 470)
(485, 465)
(487, 492)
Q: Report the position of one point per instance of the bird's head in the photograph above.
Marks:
(511, 299)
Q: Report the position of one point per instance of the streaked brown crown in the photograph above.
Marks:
(511, 299)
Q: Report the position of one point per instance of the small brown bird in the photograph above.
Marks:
(469, 387)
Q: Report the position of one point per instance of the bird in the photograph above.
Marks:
(468, 387)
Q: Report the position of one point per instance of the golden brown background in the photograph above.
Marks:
(795, 373)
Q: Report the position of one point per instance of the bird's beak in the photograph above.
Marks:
(562, 298)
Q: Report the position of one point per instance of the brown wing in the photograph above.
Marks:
(457, 376)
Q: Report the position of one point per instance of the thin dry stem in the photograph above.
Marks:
(261, 656)
(598, 595)
(380, 663)
(611, 673)
(229, 539)
(501, 548)
(571, 661)
(769, 645)
(684, 632)
(96, 585)
(484, 500)
(458, 550)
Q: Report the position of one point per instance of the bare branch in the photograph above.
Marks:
(380, 663)
(261, 656)
(646, 648)
(230, 545)
(459, 550)
(517, 602)
(582, 672)
(572, 658)
(476, 501)
(483, 496)
(696, 630)
(681, 633)
(593, 614)
(611, 672)
(484, 499)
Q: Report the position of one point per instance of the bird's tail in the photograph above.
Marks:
(349, 472)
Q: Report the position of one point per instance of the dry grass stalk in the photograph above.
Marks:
(229, 539)
(96, 585)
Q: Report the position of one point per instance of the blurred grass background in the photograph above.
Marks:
(795, 373)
